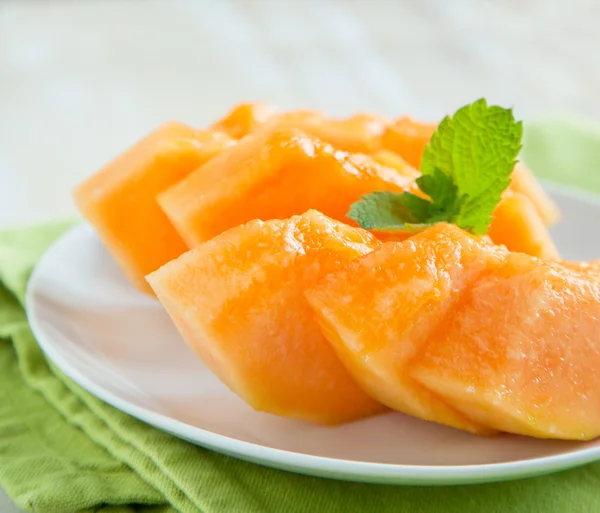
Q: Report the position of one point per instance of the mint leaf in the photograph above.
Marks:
(478, 148)
(476, 214)
(386, 210)
(466, 167)
(382, 210)
(446, 202)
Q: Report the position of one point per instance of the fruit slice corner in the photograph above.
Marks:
(379, 310)
(359, 133)
(408, 138)
(521, 353)
(238, 302)
(120, 199)
(517, 224)
(390, 159)
(523, 181)
(244, 119)
(273, 174)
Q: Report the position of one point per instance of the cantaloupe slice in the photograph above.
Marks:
(244, 118)
(521, 351)
(523, 181)
(390, 159)
(517, 224)
(238, 301)
(408, 138)
(360, 133)
(590, 269)
(120, 199)
(378, 311)
(273, 174)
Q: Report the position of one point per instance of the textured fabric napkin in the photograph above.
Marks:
(62, 450)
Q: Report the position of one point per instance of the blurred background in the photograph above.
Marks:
(82, 79)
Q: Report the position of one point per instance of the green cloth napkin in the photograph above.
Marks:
(62, 450)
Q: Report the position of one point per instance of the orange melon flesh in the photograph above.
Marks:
(518, 225)
(523, 181)
(408, 138)
(399, 145)
(361, 133)
(379, 310)
(244, 118)
(521, 351)
(273, 174)
(390, 159)
(238, 301)
(120, 199)
(591, 269)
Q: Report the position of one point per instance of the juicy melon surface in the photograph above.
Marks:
(390, 159)
(120, 199)
(408, 138)
(244, 118)
(517, 224)
(238, 301)
(521, 352)
(378, 311)
(361, 133)
(273, 174)
(523, 181)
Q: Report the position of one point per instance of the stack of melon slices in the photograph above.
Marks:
(179, 187)
(241, 231)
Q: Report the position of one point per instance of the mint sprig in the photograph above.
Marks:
(465, 168)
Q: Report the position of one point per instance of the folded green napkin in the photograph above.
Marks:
(62, 450)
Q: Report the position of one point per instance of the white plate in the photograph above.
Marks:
(121, 346)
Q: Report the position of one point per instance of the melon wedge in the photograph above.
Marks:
(523, 181)
(521, 351)
(379, 311)
(390, 159)
(518, 225)
(590, 269)
(361, 133)
(238, 302)
(408, 138)
(120, 199)
(272, 174)
(244, 118)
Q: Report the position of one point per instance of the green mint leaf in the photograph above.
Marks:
(446, 202)
(466, 167)
(476, 214)
(381, 210)
(478, 148)
(386, 210)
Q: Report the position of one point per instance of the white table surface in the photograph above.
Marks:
(80, 80)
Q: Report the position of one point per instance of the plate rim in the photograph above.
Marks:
(321, 466)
